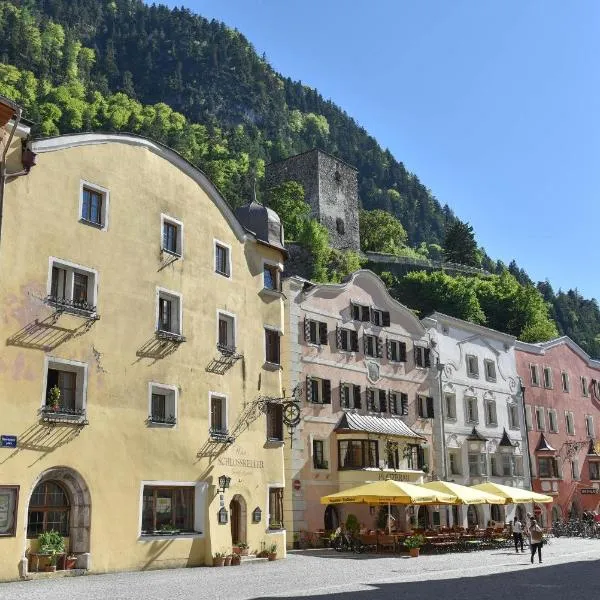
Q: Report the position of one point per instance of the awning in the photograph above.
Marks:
(350, 422)
(464, 494)
(513, 495)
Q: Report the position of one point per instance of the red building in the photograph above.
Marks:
(561, 385)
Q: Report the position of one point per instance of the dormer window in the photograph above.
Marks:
(361, 312)
(380, 318)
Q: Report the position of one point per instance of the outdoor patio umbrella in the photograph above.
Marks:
(464, 494)
(388, 492)
(512, 495)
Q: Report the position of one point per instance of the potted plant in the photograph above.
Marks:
(352, 524)
(236, 559)
(54, 398)
(52, 544)
(272, 552)
(168, 529)
(228, 558)
(70, 561)
(243, 548)
(218, 559)
(414, 543)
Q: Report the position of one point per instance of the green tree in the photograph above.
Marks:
(381, 232)
(287, 200)
(460, 245)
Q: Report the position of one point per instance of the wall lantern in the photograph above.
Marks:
(224, 482)
(223, 516)
(256, 515)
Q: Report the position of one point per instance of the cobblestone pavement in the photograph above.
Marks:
(570, 570)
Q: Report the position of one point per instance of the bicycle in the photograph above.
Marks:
(346, 542)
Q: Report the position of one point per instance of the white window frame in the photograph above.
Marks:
(216, 243)
(513, 423)
(105, 204)
(468, 400)
(266, 363)
(60, 263)
(164, 218)
(585, 388)
(375, 341)
(268, 514)
(211, 395)
(276, 265)
(489, 363)
(173, 296)
(528, 418)
(533, 368)
(452, 397)
(547, 370)
(74, 366)
(489, 422)
(173, 392)
(233, 318)
(552, 415)
(470, 372)
(575, 471)
(456, 454)
(569, 418)
(326, 453)
(565, 382)
(397, 344)
(539, 410)
(200, 500)
(589, 426)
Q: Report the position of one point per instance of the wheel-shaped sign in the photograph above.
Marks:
(291, 414)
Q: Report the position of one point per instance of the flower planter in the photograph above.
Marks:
(236, 560)
(219, 562)
(70, 562)
(272, 555)
(414, 552)
(50, 568)
(228, 561)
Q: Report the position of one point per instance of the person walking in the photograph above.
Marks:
(517, 529)
(536, 534)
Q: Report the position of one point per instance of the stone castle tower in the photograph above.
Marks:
(330, 187)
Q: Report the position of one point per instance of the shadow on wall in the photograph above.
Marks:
(556, 582)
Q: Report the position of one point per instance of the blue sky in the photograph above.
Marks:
(493, 105)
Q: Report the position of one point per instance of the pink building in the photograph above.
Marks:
(562, 406)
(360, 363)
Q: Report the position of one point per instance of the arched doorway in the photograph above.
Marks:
(331, 518)
(423, 518)
(556, 514)
(237, 510)
(60, 500)
(521, 513)
(472, 516)
(497, 513)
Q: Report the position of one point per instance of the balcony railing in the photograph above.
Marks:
(62, 414)
(162, 420)
(226, 350)
(76, 307)
(169, 336)
(221, 435)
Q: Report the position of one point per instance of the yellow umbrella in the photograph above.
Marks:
(464, 494)
(388, 492)
(512, 495)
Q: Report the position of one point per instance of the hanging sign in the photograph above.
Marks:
(8, 441)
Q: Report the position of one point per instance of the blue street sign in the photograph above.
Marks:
(8, 441)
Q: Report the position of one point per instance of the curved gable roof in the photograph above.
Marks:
(75, 140)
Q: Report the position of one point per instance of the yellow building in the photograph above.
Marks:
(140, 326)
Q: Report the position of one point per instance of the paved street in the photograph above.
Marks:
(570, 570)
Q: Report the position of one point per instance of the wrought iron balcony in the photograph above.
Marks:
(68, 305)
(221, 435)
(226, 350)
(169, 336)
(61, 414)
(162, 420)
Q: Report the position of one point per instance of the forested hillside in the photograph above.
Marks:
(200, 87)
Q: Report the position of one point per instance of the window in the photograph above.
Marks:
(450, 406)
(584, 386)
(380, 318)
(163, 404)
(589, 426)
(358, 454)
(574, 468)
(222, 260)
(490, 413)
(490, 370)
(594, 471)
(425, 407)
(318, 390)
(350, 395)
(272, 346)
(275, 508)
(455, 462)
(376, 400)
(93, 205)
(471, 415)
(565, 381)
(399, 403)
(472, 366)
(172, 235)
(218, 417)
(64, 394)
(9, 500)
(226, 333)
(415, 457)
(274, 422)
(392, 455)
(569, 423)
(346, 339)
(361, 312)
(319, 461)
(271, 278)
(540, 420)
(535, 378)
(372, 346)
(48, 509)
(169, 312)
(168, 509)
(547, 467)
(528, 421)
(517, 466)
(422, 357)
(315, 332)
(72, 288)
(547, 374)
(552, 421)
(477, 464)
(513, 416)
(396, 351)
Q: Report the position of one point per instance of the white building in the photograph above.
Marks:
(480, 420)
